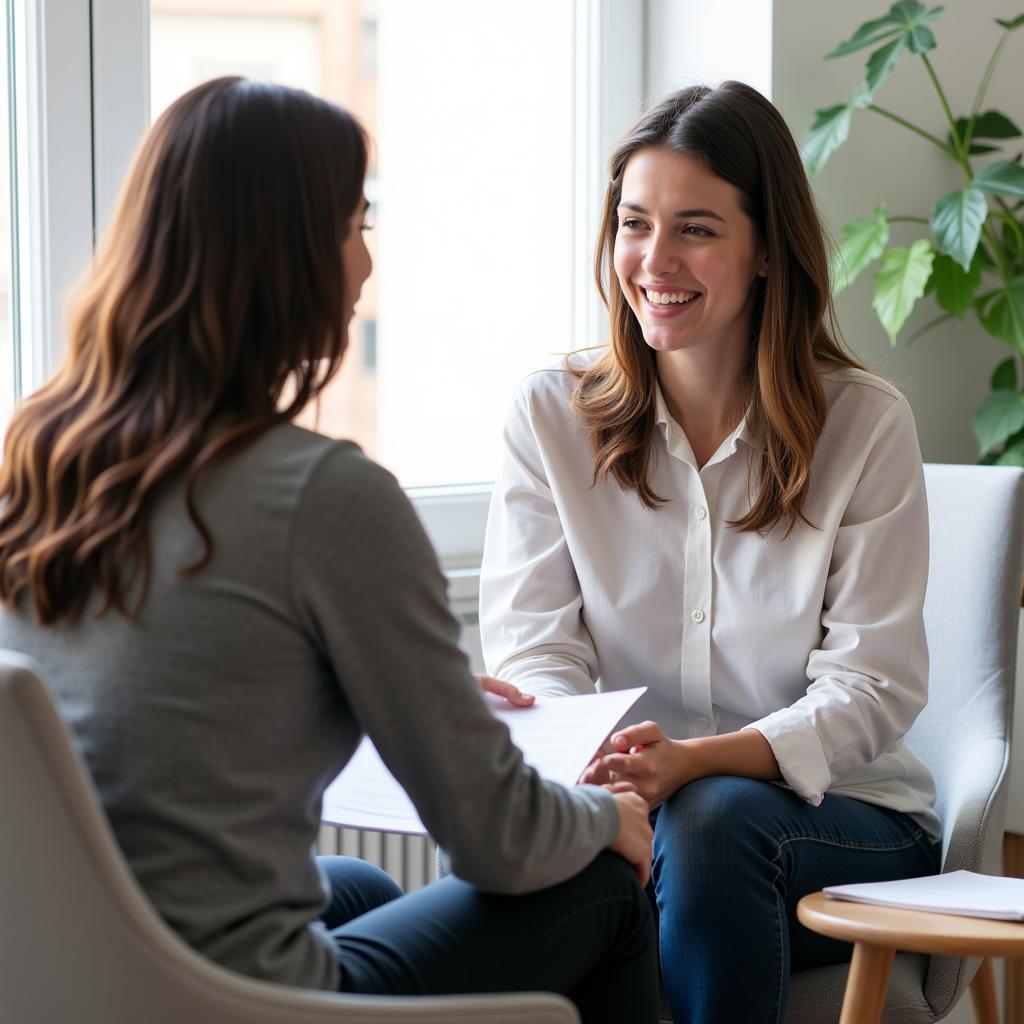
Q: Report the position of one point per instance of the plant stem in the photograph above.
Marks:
(986, 78)
(1014, 226)
(997, 252)
(908, 220)
(961, 156)
(929, 326)
(935, 140)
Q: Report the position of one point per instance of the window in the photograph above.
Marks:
(492, 124)
(10, 383)
(472, 182)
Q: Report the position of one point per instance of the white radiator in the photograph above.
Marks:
(409, 860)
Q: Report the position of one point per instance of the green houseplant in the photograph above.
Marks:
(970, 257)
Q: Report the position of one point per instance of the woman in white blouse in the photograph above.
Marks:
(725, 507)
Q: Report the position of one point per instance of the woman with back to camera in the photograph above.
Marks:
(222, 602)
(726, 507)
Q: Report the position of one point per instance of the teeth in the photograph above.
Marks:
(665, 298)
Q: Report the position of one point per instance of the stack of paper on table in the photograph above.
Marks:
(958, 892)
(557, 735)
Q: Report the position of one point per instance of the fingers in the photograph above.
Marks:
(509, 691)
(620, 786)
(637, 736)
(630, 764)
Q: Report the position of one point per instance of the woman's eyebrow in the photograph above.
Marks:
(701, 212)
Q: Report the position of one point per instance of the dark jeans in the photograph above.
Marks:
(732, 858)
(590, 938)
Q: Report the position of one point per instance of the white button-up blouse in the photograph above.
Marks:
(816, 640)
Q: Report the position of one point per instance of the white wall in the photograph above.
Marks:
(690, 42)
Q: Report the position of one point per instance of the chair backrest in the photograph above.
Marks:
(972, 611)
(78, 940)
(976, 520)
(976, 525)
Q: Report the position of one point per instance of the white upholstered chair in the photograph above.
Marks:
(80, 944)
(972, 611)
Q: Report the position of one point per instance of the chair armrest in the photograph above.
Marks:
(975, 808)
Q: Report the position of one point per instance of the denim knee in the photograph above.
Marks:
(708, 814)
(706, 829)
(355, 887)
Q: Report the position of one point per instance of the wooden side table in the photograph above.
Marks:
(878, 932)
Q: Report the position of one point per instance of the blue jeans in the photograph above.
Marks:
(590, 938)
(732, 858)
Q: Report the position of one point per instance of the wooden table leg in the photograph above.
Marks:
(1013, 866)
(983, 995)
(867, 984)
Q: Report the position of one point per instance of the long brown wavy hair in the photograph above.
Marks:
(739, 136)
(214, 309)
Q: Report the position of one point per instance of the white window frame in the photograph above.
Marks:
(88, 65)
(53, 174)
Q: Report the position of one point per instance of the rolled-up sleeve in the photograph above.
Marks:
(531, 625)
(869, 676)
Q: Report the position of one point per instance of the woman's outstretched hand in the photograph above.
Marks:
(509, 691)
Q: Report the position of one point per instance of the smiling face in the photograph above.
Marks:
(686, 254)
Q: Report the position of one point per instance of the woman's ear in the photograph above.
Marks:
(762, 271)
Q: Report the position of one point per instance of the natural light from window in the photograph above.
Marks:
(470, 108)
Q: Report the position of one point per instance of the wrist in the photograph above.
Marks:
(690, 762)
(698, 755)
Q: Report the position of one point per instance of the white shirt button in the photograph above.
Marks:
(697, 615)
(703, 724)
(701, 512)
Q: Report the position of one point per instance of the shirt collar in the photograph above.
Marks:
(744, 432)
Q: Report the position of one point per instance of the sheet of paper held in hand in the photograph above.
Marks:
(957, 892)
(557, 735)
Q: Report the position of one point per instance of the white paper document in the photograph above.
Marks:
(958, 892)
(557, 735)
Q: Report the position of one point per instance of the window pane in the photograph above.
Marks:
(470, 106)
(8, 334)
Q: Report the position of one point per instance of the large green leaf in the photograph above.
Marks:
(881, 63)
(1004, 317)
(999, 415)
(830, 130)
(1010, 457)
(990, 125)
(953, 286)
(1002, 178)
(862, 241)
(920, 39)
(905, 19)
(957, 220)
(1004, 377)
(868, 34)
(900, 282)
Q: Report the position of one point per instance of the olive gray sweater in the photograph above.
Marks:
(213, 724)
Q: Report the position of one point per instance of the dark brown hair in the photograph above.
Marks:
(737, 135)
(214, 309)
